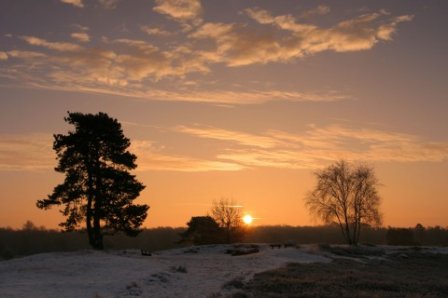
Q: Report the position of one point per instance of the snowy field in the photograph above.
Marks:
(201, 271)
(188, 272)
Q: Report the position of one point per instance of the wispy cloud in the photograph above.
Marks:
(319, 10)
(151, 159)
(109, 4)
(181, 10)
(33, 152)
(77, 3)
(314, 148)
(232, 136)
(26, 152)
(57, 46)
(157, 31)
(26, 55)
(238, 45)
(121, 67)
(217, 97)
(318, 146)
(80, 27)
(80, 36)
(131, 67)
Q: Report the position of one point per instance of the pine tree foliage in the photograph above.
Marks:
(98, 188)
(203, 230)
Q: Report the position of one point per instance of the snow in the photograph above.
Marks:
(128, 273)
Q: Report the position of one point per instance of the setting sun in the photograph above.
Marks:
(248, 219)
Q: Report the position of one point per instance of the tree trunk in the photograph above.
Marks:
(89, 209)
(97, 214)
(89, 221)
(228, 234)
(95, 237)
(98, 237)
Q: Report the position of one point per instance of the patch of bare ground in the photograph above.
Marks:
(408, 273)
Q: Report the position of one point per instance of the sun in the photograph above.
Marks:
(248, 219)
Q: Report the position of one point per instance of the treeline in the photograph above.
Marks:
(330, 234)
(31, 239)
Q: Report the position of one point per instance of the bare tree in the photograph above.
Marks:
(229, 217)
(346, 195)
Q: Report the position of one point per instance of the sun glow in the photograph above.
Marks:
(248, 219)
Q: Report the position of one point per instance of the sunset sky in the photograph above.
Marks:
(238, 99)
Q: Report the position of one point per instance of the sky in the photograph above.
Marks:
(231, 99)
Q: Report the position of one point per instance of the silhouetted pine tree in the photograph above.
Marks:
(203, 230)
(98, 188)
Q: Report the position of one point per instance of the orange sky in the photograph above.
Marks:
(271, 196)
(230, 99)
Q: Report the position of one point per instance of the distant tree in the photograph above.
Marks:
(229, 217)
(347, 195)
(203, 230)
(400, 236)
(98, 188)
(29, 226)
(419, 233)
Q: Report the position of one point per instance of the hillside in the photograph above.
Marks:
(246, 270)
(194, 272)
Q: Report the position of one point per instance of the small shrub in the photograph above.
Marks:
(236, 283)
(6, 254)
(193, 250)
(180, 269)
(241, 251)
(133, 289)
(159, 277)
(240, 295)
(324, 246)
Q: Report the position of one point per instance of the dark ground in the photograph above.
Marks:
(406, 273)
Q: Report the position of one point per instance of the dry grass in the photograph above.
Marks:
(410, 274)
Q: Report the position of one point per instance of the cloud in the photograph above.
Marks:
(320, 145)
(80, 27)
(284, 22)
(238, 45)
(133, 68)
(80, 36)
(147, 60)
(227, 135)
(320, 10)
(151, 159)
(77, 3)
(157, 31)
(131, 62)
(219, 97)
(33, 152)
(28, 152)
(57, 46)
(376, 145)
(386, 31)
(180, 10)
(26, 55)
(109, 4)
(314, 148)
(268, 159)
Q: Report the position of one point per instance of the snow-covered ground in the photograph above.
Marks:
(199, 271)
(170, 273)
